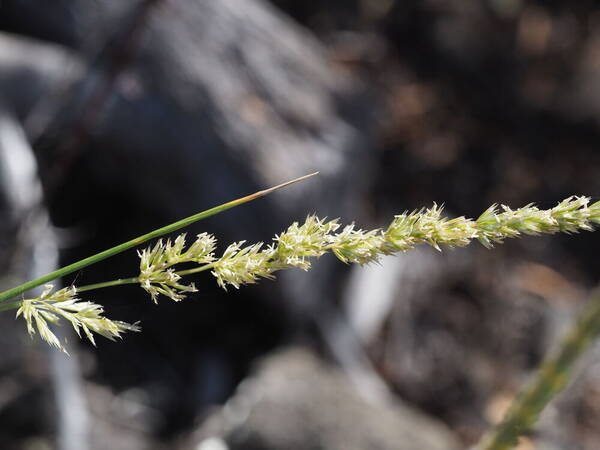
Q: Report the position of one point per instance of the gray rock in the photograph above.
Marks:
(295, 401)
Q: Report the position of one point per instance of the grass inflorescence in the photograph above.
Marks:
(297, 247)
(242, 263)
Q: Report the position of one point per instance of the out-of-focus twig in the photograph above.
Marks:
(549, 381)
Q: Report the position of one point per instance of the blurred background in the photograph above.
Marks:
(119, 116)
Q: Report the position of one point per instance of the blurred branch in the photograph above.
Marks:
(549, 381)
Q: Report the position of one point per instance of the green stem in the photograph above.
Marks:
(550, 380)
(122, 281)
(196, 269)
(119, 282)
(12, 305)
(6, 295)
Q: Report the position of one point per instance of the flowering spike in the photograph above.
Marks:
(301, 243)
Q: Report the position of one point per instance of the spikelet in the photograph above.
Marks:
(156, 273)
(83, 315)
